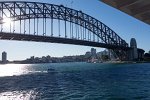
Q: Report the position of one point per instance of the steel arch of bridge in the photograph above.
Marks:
(20, 11)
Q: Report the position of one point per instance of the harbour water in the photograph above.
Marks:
(75, 81)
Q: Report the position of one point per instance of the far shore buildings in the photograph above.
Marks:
(94, 56)
(4, 57)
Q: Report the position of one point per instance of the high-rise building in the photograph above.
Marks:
(93, 52)
(4, 57)
(133, 52)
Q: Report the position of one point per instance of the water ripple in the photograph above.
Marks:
(87, 82)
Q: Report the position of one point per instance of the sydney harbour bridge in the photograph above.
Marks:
(42, 22)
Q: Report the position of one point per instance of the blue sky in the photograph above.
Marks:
(124, 25)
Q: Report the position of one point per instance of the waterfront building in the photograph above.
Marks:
(105, 52)
(112, 55)
(88, 54)
(4, 57)
(93, 52)
(140, 54)
(44, 59)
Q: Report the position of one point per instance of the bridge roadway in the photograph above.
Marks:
(40, 38)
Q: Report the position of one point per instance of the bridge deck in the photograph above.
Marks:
(38, 38)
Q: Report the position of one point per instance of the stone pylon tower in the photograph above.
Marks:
(133, 51)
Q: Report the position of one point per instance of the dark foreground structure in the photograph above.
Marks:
(139, 9)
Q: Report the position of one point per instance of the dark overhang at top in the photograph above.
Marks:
(139, 9)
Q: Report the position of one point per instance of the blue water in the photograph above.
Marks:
(75, 81)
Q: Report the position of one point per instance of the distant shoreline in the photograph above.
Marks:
(113, 62)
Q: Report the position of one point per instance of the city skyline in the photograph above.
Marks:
(126, 27)
(90, 56)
